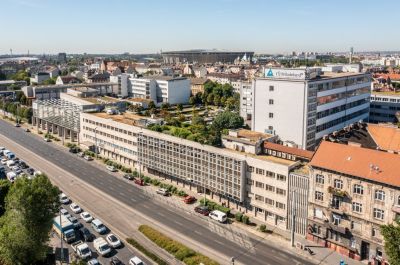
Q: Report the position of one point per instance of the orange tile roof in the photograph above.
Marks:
(386, 137)
(392, 76)
(357, 161)
(289, 150)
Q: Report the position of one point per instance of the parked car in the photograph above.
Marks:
(30, 171)
(63, 198)
(113, 241)
(17, 125)
(93, 262)
(86, 217)
(189, 199)
(85, 234)
(111, 168)
(46, 139)
(4, 161)
(139, 182)
(75, 221)
(88, 158)
(202, 210)
(115, 261)
(73, 150)
(163, 192)
(101, 246)
(65, 212)
(136, 261)
(218, 216)
(81, 154)
(128, 177)
(22, 164)
(27, 130)
(75, 208)
(98, 226)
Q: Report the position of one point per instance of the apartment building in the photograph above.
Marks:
(246, 100)
(384, 106)
(162, 89)
(244, 177)
(353, 191)
(303, 105)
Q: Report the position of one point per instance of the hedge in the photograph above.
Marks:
(215, 206)
(238, 216)
(177, 249)
(145, 251)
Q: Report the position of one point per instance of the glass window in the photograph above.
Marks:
(379, 214)
(271, 88)
(357, 207)
(271, 115)
(281, 177)
(271, 102)
(280, 191)
(379, 195)
(319, 196)
(269, 201)
(358, 189)
(280, 205)
(319, 179)
(338, 184)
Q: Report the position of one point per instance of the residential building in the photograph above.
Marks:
(203, 56)
(246, 100)
(99, 78)
(162, 89)
(68, 79)
(197, 85)
(124, 84)
(62, 57)
(40, 77)
(303, 105)
(384, 106)
(353, 191)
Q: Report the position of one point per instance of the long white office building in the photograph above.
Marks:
(303, 105)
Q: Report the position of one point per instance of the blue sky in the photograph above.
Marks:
(141, 26)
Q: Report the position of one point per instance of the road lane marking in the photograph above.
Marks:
(176, 222)
(132, 199)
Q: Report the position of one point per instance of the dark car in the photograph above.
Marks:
(115, 261)
(202, 210)
(128, 177)
(73, 150)
(30, 171)
(189, 199)
(23, 165)
(85, 234)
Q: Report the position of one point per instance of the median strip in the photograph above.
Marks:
(145, 251)
(180, 251)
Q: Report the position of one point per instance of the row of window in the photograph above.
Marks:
(270, 202)
(267, 187)
(109, 127)
(340, 120)
(267, 173)
(341, 108)
(338, 96)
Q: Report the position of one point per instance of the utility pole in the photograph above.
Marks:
(293, 218)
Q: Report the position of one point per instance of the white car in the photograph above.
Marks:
(136, 261)
(75, 208)
(111, 168)
(113, 241)
(93, 262)
(86, 217)
(46, 139)
(63, 198)
(4, 161)
(65, 212)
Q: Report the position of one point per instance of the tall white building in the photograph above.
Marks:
(303, 105)
(246, 100)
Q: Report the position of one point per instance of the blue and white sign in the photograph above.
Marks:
(296, 74)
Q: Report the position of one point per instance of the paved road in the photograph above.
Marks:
(195, 229)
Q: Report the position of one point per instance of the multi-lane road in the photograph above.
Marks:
(196, 229)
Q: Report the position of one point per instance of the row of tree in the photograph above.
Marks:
(20, 112)
(27, 209)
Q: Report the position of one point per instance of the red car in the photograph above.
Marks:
(139, 182)
(189, 199)
(202, 210)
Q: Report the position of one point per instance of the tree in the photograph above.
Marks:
(152, 105)
(4, 188)
(31, 206)
(192, 101)
(230, 103)
(179, 107)
(27, 114)
(165, 106)
(210, 99)
(227, 120)
(217, 100)
(391, 234)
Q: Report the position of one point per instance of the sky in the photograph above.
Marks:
(149, 26)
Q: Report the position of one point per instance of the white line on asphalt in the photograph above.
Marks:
(176, 222)
(145, 206)
(160, 214)
(197, 232)
(219, 242)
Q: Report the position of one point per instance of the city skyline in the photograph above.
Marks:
(122, 26)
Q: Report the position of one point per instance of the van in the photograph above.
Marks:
(98, 226)
(101, 246)
(10, 163)
(218, 216)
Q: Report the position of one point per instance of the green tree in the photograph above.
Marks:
(391, 234)
(2, 76)
(217, 100)
(50, 81)
(210, 99)
(31, 206)
(179, 107)
(152, 105)
(227, 120)
(4, 188)
(165, 106)
(192, 101)
(230, 103)
(27, 114)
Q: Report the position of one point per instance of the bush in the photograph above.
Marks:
(145, 251)
(263, 228)
(155, 182)
(89, 153)
(181, 193)
(146, 179)
(238, 217)
(177, 249)
(246, 219)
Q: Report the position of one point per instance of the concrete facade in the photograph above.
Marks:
(384, 106)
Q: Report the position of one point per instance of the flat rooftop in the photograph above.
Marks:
(105, 99)
(126, 118)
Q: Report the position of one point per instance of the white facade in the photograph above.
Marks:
(302, 107)
(246, 100)
(162, 89)
(124, 84)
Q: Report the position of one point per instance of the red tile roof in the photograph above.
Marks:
(386, 137)
(289, 150)
(378, 166)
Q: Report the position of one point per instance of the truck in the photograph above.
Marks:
(101, 246)
(64, 229)
(82, 249)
